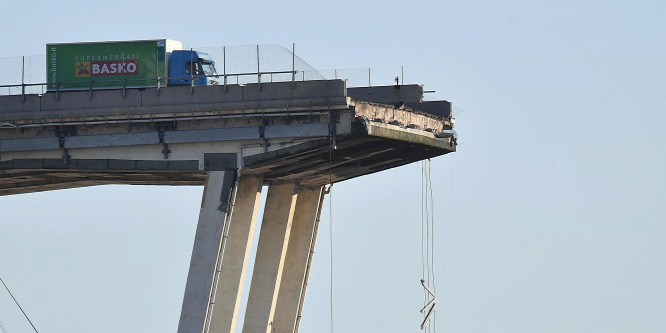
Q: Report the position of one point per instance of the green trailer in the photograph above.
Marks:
(126, 64)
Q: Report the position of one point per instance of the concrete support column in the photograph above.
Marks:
(269, 262)
(236, 252)
(217, 190)
(296, 264)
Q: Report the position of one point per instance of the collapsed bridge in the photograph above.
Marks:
(294, 137)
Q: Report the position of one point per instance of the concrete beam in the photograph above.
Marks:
(388, 94)
(112, 140)
(269, 262)
(27, 144)
(235, 255)
(401, 117)
(301, 244)
(207, 243)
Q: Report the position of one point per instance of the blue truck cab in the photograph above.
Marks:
(188, 67)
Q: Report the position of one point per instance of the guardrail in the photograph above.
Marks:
(272, 64)
(147, 83)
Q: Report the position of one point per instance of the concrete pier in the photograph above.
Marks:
(236, 253)
(269, 262)
(301, 245)
(198, 289)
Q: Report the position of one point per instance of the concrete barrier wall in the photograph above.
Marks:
(82, 100)
(388, 94)
(14, 103)
(143, 101)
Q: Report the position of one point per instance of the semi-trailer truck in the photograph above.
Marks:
(126, 64)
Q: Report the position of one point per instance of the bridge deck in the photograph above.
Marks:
(313, 133)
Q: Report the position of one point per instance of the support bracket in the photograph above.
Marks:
(62, 133)
(161, 128)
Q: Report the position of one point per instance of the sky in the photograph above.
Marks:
(548, 218)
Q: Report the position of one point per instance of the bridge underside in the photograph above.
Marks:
(313, 163)
(293, 139)
(319, 162)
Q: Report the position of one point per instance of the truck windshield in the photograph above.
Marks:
(208, 67)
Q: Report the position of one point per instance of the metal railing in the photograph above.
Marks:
(160, 82)
(157, 83)
(265, 72)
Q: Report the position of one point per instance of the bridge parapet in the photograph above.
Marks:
(151, 103)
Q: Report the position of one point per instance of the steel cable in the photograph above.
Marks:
(19, 306)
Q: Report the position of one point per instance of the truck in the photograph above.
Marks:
(126, 64)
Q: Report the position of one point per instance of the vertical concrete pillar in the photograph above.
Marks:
(269, 262)
(217, 190)
(236, 252)
(301, 242)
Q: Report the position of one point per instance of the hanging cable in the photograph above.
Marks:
(331, 145)
(432, 240)
(427, 222)
(430, 304)
(330, 239)
(427, 249)
(19, 306)
(425, 292)
(2, 327)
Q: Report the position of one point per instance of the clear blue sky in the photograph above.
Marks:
(549, 218)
